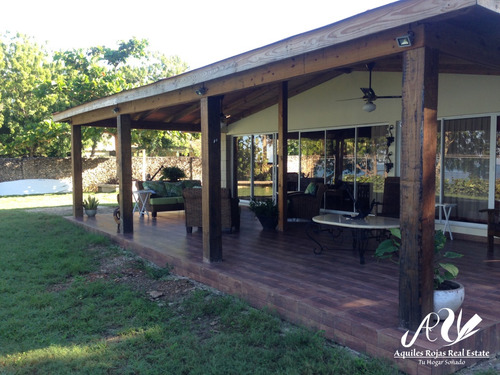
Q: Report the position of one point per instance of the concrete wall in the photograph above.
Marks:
(95, 170)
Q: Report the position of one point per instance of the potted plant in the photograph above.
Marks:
(266, 211)
(90, 205)
(172, 174)
(447, 292)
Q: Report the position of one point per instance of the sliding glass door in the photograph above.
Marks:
(462, 167)
(255, 170)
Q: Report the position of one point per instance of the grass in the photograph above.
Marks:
(56, 320)
(52, 200)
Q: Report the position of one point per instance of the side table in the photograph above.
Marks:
(141, 198)
(446, 207)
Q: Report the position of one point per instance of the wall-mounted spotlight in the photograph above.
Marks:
(406, 40)
(201, 91)
(224, 117)
(116, 110)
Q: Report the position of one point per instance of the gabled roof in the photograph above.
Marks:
(467, 33)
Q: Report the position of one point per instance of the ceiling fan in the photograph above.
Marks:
(369, 95)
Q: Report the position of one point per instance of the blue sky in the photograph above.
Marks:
(200, 32)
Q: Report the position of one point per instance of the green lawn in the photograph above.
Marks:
(51, 200)
(55, 319)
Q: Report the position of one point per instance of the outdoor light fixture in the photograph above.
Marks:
(406, 40)
(201, 91)
(116, 110)
(369, 106)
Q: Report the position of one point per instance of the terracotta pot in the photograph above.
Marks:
(452, 299)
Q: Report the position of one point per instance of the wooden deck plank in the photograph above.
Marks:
(355, 305)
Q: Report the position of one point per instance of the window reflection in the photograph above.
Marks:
(255, 161)
(463, 164)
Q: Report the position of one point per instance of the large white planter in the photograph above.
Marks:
(451, 299)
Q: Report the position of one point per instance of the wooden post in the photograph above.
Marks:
(124, 154)
(77, 167)
(211, 175)
(418, 174)
(282, 155)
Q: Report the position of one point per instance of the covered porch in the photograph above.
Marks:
(300, 84)
(355, 305)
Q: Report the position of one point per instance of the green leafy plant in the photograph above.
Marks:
(389, 249)
(90, 203)
(266, 207)
(172, 174)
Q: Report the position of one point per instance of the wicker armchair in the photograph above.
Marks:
(305, 206)
(493, 226)
(230, 211)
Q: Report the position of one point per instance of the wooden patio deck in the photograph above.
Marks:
(355, 305)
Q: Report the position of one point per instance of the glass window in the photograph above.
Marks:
(372, 158)
(293, 164)
(263, 166)
(312, 158)
(464, 166)
(255, 169)
(244, 167)
(497, 166)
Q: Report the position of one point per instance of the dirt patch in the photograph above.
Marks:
(156, 284)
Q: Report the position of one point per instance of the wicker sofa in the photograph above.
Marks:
(230, 212)
(167, 196)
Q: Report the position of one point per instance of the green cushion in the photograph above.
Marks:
(173, 189)
(311, 189)
(157, 186)
(165, 200)
(190, 183)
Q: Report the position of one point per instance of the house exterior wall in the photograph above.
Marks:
(324, 106)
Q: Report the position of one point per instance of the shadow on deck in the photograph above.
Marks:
(355, 305)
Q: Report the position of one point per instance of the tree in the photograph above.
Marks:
(34, 85)
(102, 71)
(28, 96)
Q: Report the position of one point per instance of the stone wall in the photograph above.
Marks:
(95, 170)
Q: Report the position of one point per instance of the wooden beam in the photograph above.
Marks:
(195, 107)
(464, 44)
(282, 155)
(388, 21)
(336, 56)
(211, 177)
(149, 125)
(77, 169)
(124, 153)
(418, 158)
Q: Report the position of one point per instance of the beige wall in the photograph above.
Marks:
(323, 106)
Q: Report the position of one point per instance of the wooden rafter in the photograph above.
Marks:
(151, 125)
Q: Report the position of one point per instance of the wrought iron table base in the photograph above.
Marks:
(360, 237)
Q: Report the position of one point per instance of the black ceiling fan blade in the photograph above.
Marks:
(390, 97)
(346, 100)
(368, 91)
